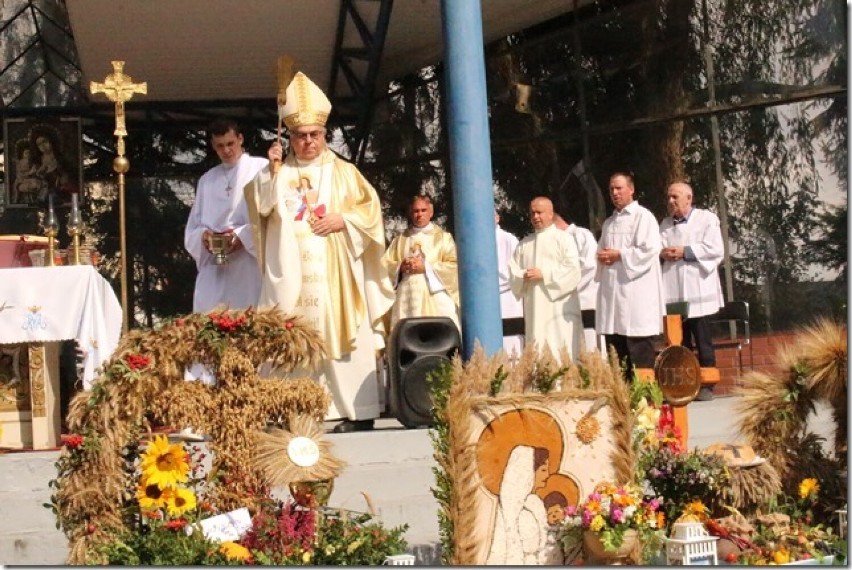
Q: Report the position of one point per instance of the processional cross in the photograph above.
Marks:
(119, 88)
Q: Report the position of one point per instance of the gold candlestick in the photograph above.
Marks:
(51, 246)
(119, 88)
(74, 224)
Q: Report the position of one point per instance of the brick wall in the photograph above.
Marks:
(764, 348)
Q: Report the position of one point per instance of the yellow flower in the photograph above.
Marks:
(234, 551)
(163, 464)
(808, 488)
(696, 508)
(647, 417)
(180, 501)
(306, 556)
(593, 506)
(781, 557)
(597, 523)
(150, 496)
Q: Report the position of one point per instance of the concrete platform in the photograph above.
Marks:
(393, 465)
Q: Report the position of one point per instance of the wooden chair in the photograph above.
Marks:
(730, 320)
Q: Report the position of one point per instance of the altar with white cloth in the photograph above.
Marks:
(39, 308)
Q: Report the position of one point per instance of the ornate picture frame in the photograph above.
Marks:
(42, 156)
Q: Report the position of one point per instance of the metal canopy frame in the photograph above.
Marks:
(49, 59)
(354, 69)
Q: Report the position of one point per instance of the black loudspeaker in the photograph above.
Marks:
(417, 347)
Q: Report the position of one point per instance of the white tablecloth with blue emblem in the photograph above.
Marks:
(47, 304)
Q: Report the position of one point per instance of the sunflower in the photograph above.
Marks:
(179, 501)
(235, 551)
(808, 488)
(164, 464)
(150, 496)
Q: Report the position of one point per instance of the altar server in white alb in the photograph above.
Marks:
(692, 251)
(587, 250)
(630, 294)
(423, 267)
(220, 208)
(510, 306)
(544, 272)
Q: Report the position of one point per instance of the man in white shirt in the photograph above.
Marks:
(692, 251)
(423, 267)
(510, 306)
(587, 248)
(630, 305)
(220, 208)
(544, 272)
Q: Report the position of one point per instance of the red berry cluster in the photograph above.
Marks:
(226, 324)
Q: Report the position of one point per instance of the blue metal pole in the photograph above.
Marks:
(470, 161)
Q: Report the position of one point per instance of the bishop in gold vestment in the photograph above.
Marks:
(320, 242)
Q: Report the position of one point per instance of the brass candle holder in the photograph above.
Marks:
(74, 223)
(51, 229)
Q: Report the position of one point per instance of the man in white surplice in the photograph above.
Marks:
(692, 251)
(587, 249)
(220, 208)
(544, 272)
(630, 294)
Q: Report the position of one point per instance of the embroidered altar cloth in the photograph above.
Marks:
(47, 304)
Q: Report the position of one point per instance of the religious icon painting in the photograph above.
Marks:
(43, 157)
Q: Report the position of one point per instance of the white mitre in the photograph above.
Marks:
(305, 103)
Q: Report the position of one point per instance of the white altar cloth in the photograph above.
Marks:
(47, 304)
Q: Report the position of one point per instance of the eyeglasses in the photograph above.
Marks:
(313, 135)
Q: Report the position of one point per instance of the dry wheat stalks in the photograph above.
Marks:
(273, 456)
(774, 409)
(751, 488)
(118, 409)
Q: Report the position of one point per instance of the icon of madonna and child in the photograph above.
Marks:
(531, 467)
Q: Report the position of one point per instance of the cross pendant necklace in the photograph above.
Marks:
(229, 179)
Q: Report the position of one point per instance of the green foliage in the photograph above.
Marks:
(544, 380)
(159, 545)
(439, 383)
(497, 382)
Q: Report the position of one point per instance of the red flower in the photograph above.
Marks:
(136, 361)
(176, 524)
(288, 325)
(73, 441)
(153, 514)
(179, 322)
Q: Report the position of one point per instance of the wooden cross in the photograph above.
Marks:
(118, 87)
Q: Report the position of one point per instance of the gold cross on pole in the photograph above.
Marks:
(118, 87)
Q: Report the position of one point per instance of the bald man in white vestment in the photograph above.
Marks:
(544, 272)
(692, 251)
(423, 265)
